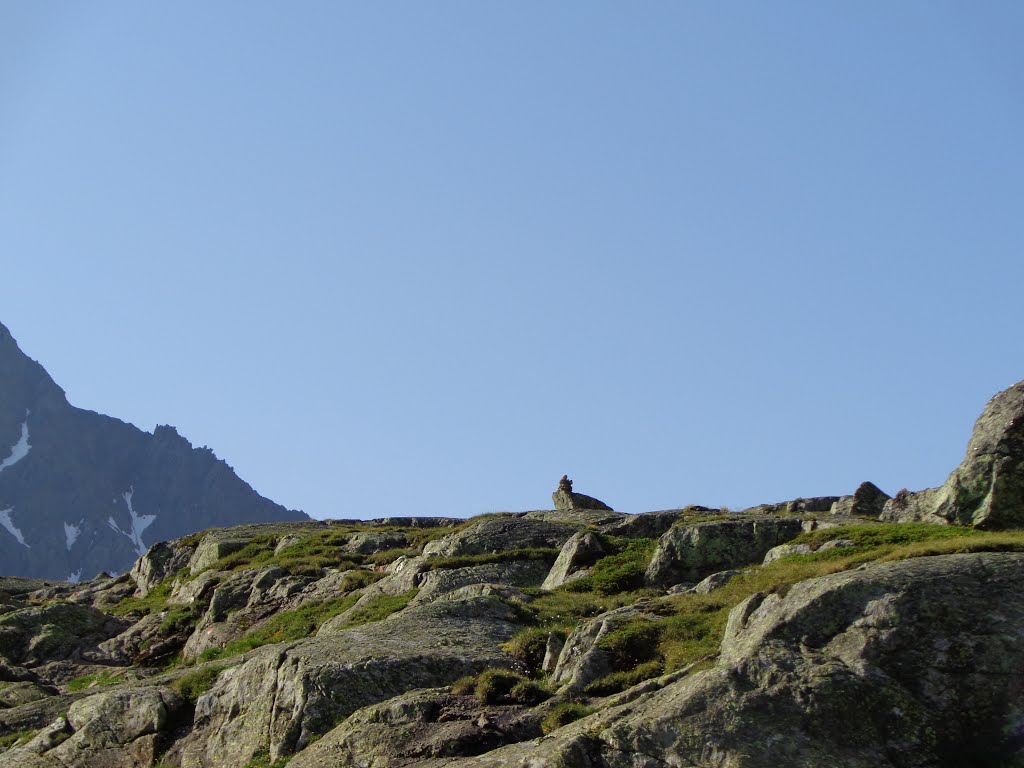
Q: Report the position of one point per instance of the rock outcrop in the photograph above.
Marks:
(281, 698)
(987, 489)
(688, 553)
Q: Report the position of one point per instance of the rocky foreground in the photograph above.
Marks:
(844, 631)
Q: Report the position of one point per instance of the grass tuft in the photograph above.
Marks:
(194, 684)
(564, 714)
(284, 627)
(95, 679)
(545, 554)
(380, 608)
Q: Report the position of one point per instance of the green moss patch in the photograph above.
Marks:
(154, 602)
(284, 627)
(14, 739)
(94, 680)
(564, 714)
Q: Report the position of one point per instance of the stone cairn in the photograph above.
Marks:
(565, 498)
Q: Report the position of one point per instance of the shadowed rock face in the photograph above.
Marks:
(987, 489)
(82, 493)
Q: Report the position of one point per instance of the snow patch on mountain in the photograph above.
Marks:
(71, 533)
(139, 523)
(75, 576)
(8, 523)
(20, 449)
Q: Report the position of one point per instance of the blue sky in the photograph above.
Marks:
(421, 258)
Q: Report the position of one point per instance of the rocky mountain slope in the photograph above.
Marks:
(82, 493)
(811, 633)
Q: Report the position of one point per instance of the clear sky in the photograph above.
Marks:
(423, 258)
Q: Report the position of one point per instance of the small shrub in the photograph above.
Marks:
(529, 645)
(564, 714)
(19, 737)
(262, 760)
(195, 684)
(493, 686)
(620, 681)
(529, 693)
(632, 644)
(464, 686)
(178, 619)
(358, 579)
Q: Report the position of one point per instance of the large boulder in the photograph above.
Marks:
(867, 501)
(283, 696)
(987, 489)
(580, 551)
(688, 553)
(582, 660)
(161, 560)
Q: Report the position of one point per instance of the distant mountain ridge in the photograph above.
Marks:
(81, 492)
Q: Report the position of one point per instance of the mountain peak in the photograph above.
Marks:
(81, 492)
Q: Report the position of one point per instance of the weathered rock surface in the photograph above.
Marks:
(499, 533)
(418, 726)
(987, 489)
(161, 560)
(582, 660)
(119, 729)
(16, 694)
(516, 573)
(794, 506)
(374, 541)
(31, 635)
(906, 665)
(650, 525)
(710, 583)
(580, 550)
(283, 696)
(688, 553)
(784, 550)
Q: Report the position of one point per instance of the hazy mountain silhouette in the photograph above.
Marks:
(81, 492)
